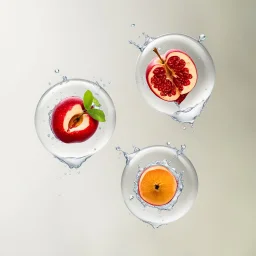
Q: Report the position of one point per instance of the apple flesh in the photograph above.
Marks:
(171, 76)
(62, 115)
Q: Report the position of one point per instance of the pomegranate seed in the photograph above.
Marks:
(182, 62)
(190, 76)
(187, 82)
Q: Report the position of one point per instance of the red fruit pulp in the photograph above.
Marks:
(172, 76)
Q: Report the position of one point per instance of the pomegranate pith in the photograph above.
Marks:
(171, 76)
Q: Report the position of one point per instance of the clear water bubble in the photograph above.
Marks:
(181, 168)
(191, 107)
(74, 154)
(133, 25)
(57, 71)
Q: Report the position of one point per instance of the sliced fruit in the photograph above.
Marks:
(171, 75)
(70, 123)
(157, 185)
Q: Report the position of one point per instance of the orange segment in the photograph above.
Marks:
(157, 185)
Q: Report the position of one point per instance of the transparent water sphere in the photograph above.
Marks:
(185, 175)
(195, 101)
(73, 154)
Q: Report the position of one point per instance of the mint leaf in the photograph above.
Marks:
(96, 102)
(88, 99)
(97, 114)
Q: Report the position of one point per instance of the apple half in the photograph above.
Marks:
(63, 114)
(171, 76)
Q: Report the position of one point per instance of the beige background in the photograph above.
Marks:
(46, 213)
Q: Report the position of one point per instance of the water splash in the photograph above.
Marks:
(178, 177)
(125, 154)
(73, 162)
(102, 84)
(201, 38)
(147, 41)
(135, 149)
(194, 111)
(181, 150)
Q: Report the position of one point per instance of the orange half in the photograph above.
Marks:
(157, 185)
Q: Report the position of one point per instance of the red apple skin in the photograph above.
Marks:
(57, 122)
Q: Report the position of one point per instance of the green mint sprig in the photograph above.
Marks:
(96, 114)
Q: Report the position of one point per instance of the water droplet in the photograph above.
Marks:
(202, 37)
(118, 149)
(48, 135)
(184, 128)
(135, 149)
(49, 83)
(64, 78)
(131, 197)
(183, 147)
(133, 25)
(168, 143)
(56, 71)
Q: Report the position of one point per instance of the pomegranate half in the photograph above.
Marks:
(171, 76)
